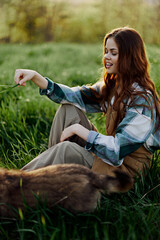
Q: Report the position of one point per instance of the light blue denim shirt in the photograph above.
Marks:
(136, 129)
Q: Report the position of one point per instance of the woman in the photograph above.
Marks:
(128, 98)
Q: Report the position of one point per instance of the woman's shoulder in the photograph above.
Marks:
(140, 95)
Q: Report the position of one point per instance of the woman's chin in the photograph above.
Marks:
(109, 71)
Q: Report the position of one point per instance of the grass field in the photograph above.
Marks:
(25, 122)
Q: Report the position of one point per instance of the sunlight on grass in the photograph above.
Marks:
(25, 122)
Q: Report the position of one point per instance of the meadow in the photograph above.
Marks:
(25, 120)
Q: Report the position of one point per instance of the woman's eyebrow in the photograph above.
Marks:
(112, 49)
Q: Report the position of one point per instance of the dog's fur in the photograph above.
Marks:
(71, 186)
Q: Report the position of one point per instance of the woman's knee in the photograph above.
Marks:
(68, 111)
(67, 107)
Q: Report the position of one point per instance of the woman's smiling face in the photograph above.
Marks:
(111, 56)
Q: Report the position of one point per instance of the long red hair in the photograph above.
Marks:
(133, 67)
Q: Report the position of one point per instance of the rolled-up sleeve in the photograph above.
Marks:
(49, 90)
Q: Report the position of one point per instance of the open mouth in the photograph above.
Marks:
(108, 65)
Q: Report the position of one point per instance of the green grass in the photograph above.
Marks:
(25, 122)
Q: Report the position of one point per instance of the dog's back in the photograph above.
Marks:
(71, 186)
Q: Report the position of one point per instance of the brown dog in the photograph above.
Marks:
(71, 186)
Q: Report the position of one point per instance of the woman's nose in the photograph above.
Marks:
(107, 56)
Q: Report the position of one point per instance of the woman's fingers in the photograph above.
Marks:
(17, 76)
(67, 133)
(23, 80)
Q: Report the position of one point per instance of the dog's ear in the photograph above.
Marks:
(121, 182)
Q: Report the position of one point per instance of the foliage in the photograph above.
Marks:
(25, 122)
(36, 21)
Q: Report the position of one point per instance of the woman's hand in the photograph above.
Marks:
(77, 129)
(24, 75)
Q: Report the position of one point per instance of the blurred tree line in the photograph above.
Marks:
(36, 21)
